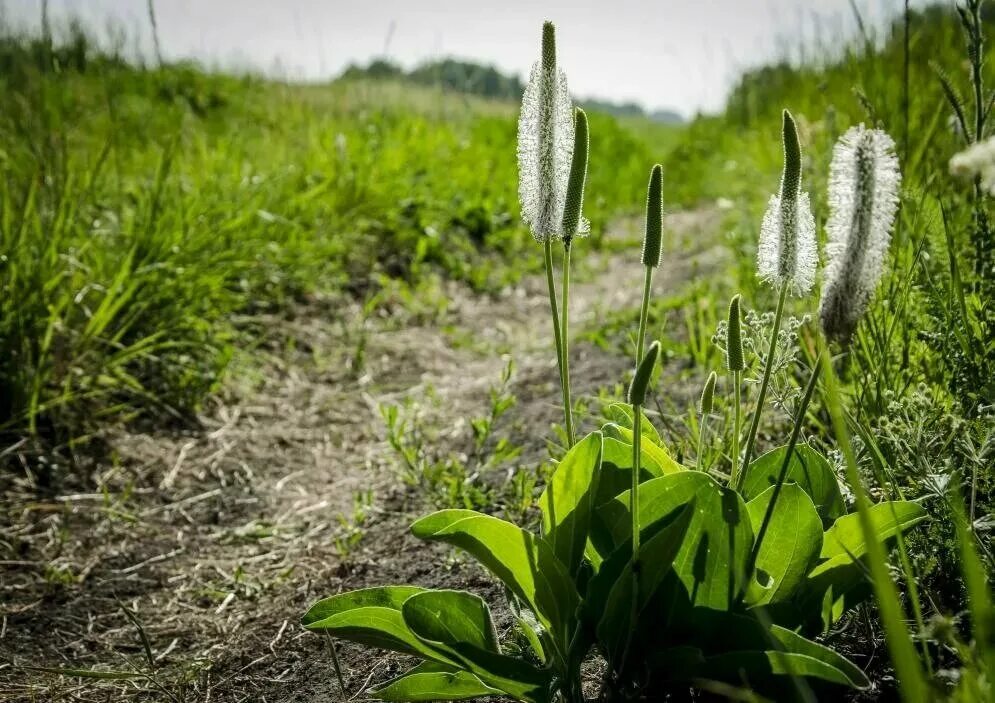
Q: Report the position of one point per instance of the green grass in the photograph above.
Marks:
(142, 207)
(917, 380)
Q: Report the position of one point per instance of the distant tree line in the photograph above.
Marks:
(478, 79)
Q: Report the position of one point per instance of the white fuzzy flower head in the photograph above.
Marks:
(786, 255)
(864, 181)
(978, 160)
(787, 251)
(545, 145)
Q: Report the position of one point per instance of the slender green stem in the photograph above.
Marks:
(565, 343)
(799, 420)
(548, 251)
(737, 382)
(644, 313)
(974, 495)
(700, 460)
(637, 431)
(751, 438)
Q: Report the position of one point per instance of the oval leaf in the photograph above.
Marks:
(791, 543)
(711, 563)
(660, 456)
(525, 563)
(450, 617)
(759, 667)
(458, 624)
(622, 414)
(431, 681)
(568, 500)
(370, 616)
(793, 642)
(808, 468)
(844, 541)
(656, 556)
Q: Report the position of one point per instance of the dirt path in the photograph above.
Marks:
(218, 540)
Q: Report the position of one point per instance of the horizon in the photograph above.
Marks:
(645, 55)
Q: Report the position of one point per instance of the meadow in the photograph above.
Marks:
(252, 334)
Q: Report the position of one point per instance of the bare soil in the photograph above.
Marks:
(218, 539)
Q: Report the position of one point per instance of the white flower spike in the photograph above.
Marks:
(864, 181)
(787, 253)
(545, 144)
(977, 160)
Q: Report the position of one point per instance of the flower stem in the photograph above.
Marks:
(637, 432)
(751, 439)
(565, 345)
(700, 456)
(548, 250)
(796, 429)
(737, 382)
(644, 313)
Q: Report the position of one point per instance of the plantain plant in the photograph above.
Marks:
(676, 577)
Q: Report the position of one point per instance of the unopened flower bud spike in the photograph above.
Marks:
(651, 248)
(573, 224)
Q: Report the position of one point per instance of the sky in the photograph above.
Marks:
(672, 54)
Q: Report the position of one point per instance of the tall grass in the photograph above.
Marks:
(143, 206)
(916, 374)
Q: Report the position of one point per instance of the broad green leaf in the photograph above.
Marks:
(756, 667)
(615, 477)
(616, 468)
(448, 617)
(458, 624)
(739, 649)
(431, 681)
(838, 582)
(623, 415)
(711, 563)
(370, 616)
(525, 563)
(795, 643)
(568, 499)
(656, 555)
(808, 468)
(844, 541)
(660, 456)
(791, 543)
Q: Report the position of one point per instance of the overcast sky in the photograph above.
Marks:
(680, 54)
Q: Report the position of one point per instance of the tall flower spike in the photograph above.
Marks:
(787, 254)
(545, 144)
(864, 180)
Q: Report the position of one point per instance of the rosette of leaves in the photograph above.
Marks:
(685, 611)
(732, 608)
